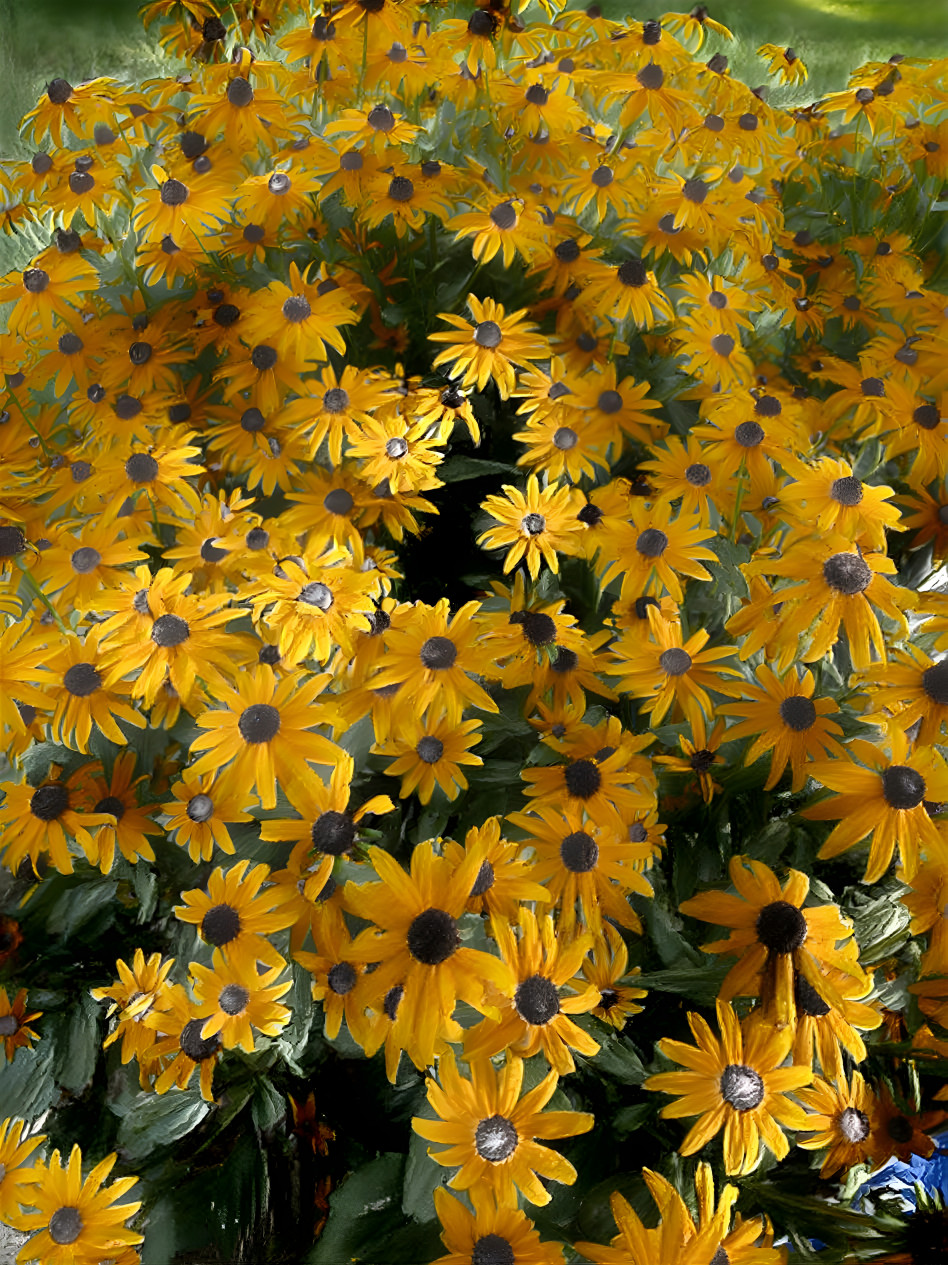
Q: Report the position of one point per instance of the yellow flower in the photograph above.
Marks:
(536, 524)
(490, 348)
(235, 997)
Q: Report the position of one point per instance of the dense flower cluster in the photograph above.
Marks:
(695, 344)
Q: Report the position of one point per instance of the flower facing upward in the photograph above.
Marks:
(417, 943)
(77, 1220)
(432, 655)
(492, 1232)
(235, 997)
(235, 916)
(534, 525)
(884, 797)
(430, 754)
(266, 729)
(15, 1030)
(489, 1130)
(735, 1082)
(139, 989)
(844, 1118)
(491, 348)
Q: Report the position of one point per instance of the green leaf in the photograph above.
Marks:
(77, 1046)
(27, 1085)
(160, 1119)
(458, 469)
(367, 1205)
(617, 1059)
(697, 985)
(82, 901)
(630, 1119)
(422, 1175)
(268, 1106)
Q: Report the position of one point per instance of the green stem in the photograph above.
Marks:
(29, 422)
(37, 592)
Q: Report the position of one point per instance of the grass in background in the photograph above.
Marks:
(78, 39)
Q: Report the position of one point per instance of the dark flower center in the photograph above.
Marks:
(808, 1000)
(637, 833)
(392, 998)
(259, 723)
(239, 92)
(200, 808)
(12, 541)
(233, 999)
(847, 573)
(698, 475)
(495, 1139)
(401, 189)
(279, 183)
(433, 937)
(854, 1125)
(538, 628)
(537, 1000)
(174, 193)
(85, 560)
(9, 1024)
(714, 123)
(873, 387)
(316, 594)
(565, 661)
(899, 1129)
(430, 749)
(80, 182)
(503, 215)
(696, 191)
(170, 630)
(491, 1249)
(579, 852)
(35, 280)
(652, 543)
(140, 353)
(847, 491)
(717, 300)
(484, 881)
(270, 655)
(49, 802)
(196, 1047)
(701, 761)
(590, 514)
(296, 309)
(141, 467)
(902, 787)
(59, 92)
(723, 345)
(935, 682)
(341, 978)
(781, 927)
(488, 334)
(633, 272)
(225, 315)
(609, 402)
(70, 344)
(396, 447)
(127, 407)
(651, 76)
(220, 925)
(333, 833)
(768, 406)
(583, 778)
(747, 122)
(263, 357)
(608, 998)
(749, 434)
(926, 416)
(720, 1257)
(81, 680)
(565, 438)
(567, 252)
(80, 471)
(381, 119)
(742, 1087)
(210, 552)
(797, 712)
(438, 653)
(336, 400)
(675, 661)
(481, 23)
(338, 501)
(65, 1225)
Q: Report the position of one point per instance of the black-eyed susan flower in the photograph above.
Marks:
(234, 997)
(299, 320)
(668, 669)
(827, 497)
(824, 1029)
(607, 786)
(44, 819)
(581, 862)
(699, 756)
(505, 879)
(85, 695)
(783, 717)
(127, 823)
(832, 584)
(784, 63)
(535, 524)
(434, 655)
(843, 1117)
(415, 940)
(430, 753)
(176, 210)
(396, 453)
(737, 1082)
(681, 1238)
(606, 966)
(139, 988)
(490, 1130)
(76, 1219)
(264, 731)
(17, 1144)
(235, 916)
(544, 961)
(882, 796)
(325, 822)
(338, 982)
(491, 348)
(22, 673)
(178, 1049)
(491, 1228)
(15, 1030)
(776, 938)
